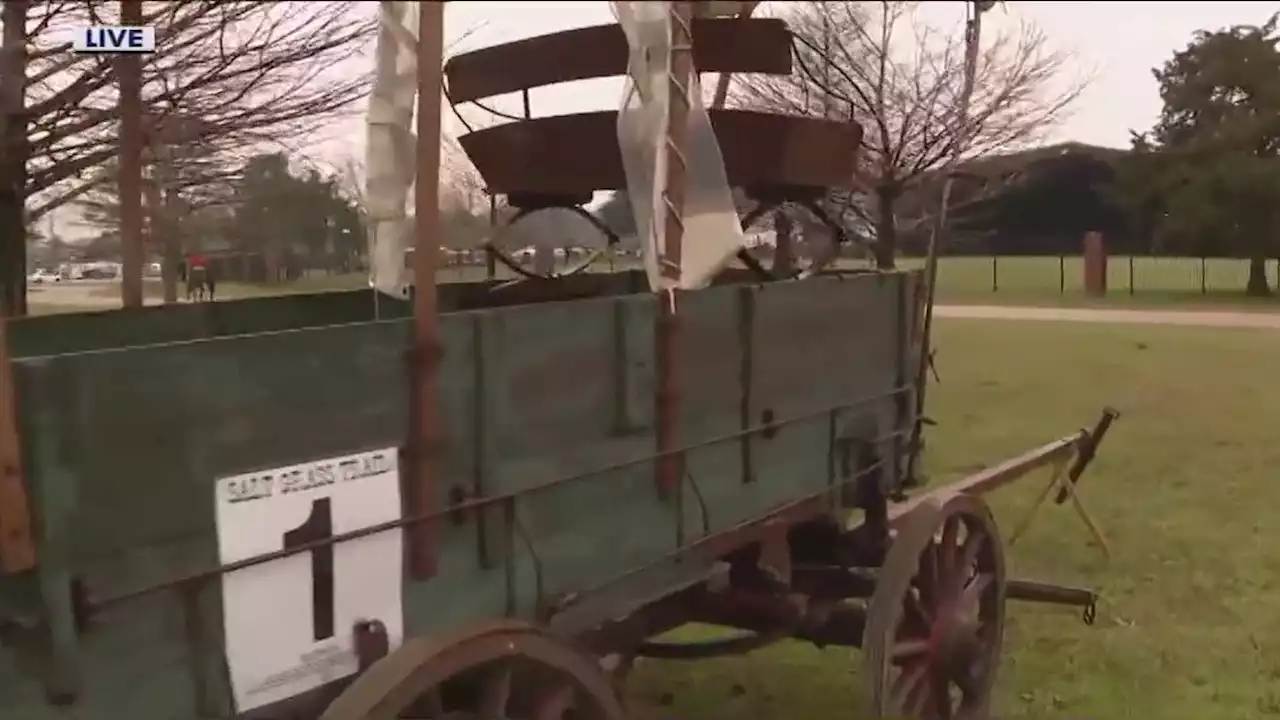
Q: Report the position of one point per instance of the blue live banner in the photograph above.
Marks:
(114, 39)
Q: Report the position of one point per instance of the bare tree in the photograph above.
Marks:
(880, 64)
(460, 184)
(251, 72)
(181, 181)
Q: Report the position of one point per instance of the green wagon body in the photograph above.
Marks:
(128, 422)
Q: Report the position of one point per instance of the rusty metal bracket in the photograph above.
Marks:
(1060, 481)
(1086, 447)
(1038, 592)
(17, 541)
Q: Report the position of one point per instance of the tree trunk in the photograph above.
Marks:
(172, 245)
(160, 235)
(13, 159)
(886, 245)
(272, 261)
(129, 170)
(1258, 285)
(13, 255)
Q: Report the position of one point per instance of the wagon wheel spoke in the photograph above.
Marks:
(434, 702)
(910, 648)
(947, 556)
(555, 705)
(969, 549)
(916, 609)
(940, 693)
(969, 684)
(483, 660)
(927, 580)
(971, 598)
(496, 693)
(911, 691)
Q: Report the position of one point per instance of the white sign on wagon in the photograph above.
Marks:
(289, 621)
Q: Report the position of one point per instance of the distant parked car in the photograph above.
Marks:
(98, 273)
(40, 277)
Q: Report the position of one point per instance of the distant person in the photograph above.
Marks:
(210, 281)
(197, 278)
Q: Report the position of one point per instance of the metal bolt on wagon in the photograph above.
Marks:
(485, 500)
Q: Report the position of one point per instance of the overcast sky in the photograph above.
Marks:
(1117, 43)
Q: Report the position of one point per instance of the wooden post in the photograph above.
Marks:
(129, 71)
(17, 544)
(669, 469)
(14, 150)
(972, 47)
(422, 492)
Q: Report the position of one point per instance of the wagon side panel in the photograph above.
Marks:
(711, 361)
(125, 448)
(845, 387)
(816, 363)
(568, 405)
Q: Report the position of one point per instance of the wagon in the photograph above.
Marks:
(488, 501)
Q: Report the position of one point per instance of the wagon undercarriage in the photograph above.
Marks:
(919, 586)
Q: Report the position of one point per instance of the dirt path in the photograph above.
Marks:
(1266, 321)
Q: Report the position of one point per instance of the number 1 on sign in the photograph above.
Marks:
(273, 651)
(318, 527)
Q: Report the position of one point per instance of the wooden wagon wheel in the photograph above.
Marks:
(501, 257)
(502, 670)
(935, 623)
(838, 239)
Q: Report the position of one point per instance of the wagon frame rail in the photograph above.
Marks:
(1079, 446)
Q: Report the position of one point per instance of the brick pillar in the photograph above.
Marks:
(1095, 264)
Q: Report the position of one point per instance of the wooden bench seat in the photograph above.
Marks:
(570, 155)
(564, 159)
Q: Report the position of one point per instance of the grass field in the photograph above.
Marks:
(1184, 488)
(1157, 282)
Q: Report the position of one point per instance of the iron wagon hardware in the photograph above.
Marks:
(1087, 451)
(1064, 483)
(468, 506)
(1031, 591)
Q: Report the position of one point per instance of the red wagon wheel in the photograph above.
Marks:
(936, 621)
(501, 671)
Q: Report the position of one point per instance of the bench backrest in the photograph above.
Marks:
(734, 45)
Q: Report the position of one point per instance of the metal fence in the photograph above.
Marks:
(973, 276)
(1133, 275)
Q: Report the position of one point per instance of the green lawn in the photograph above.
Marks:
(1185, 489)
